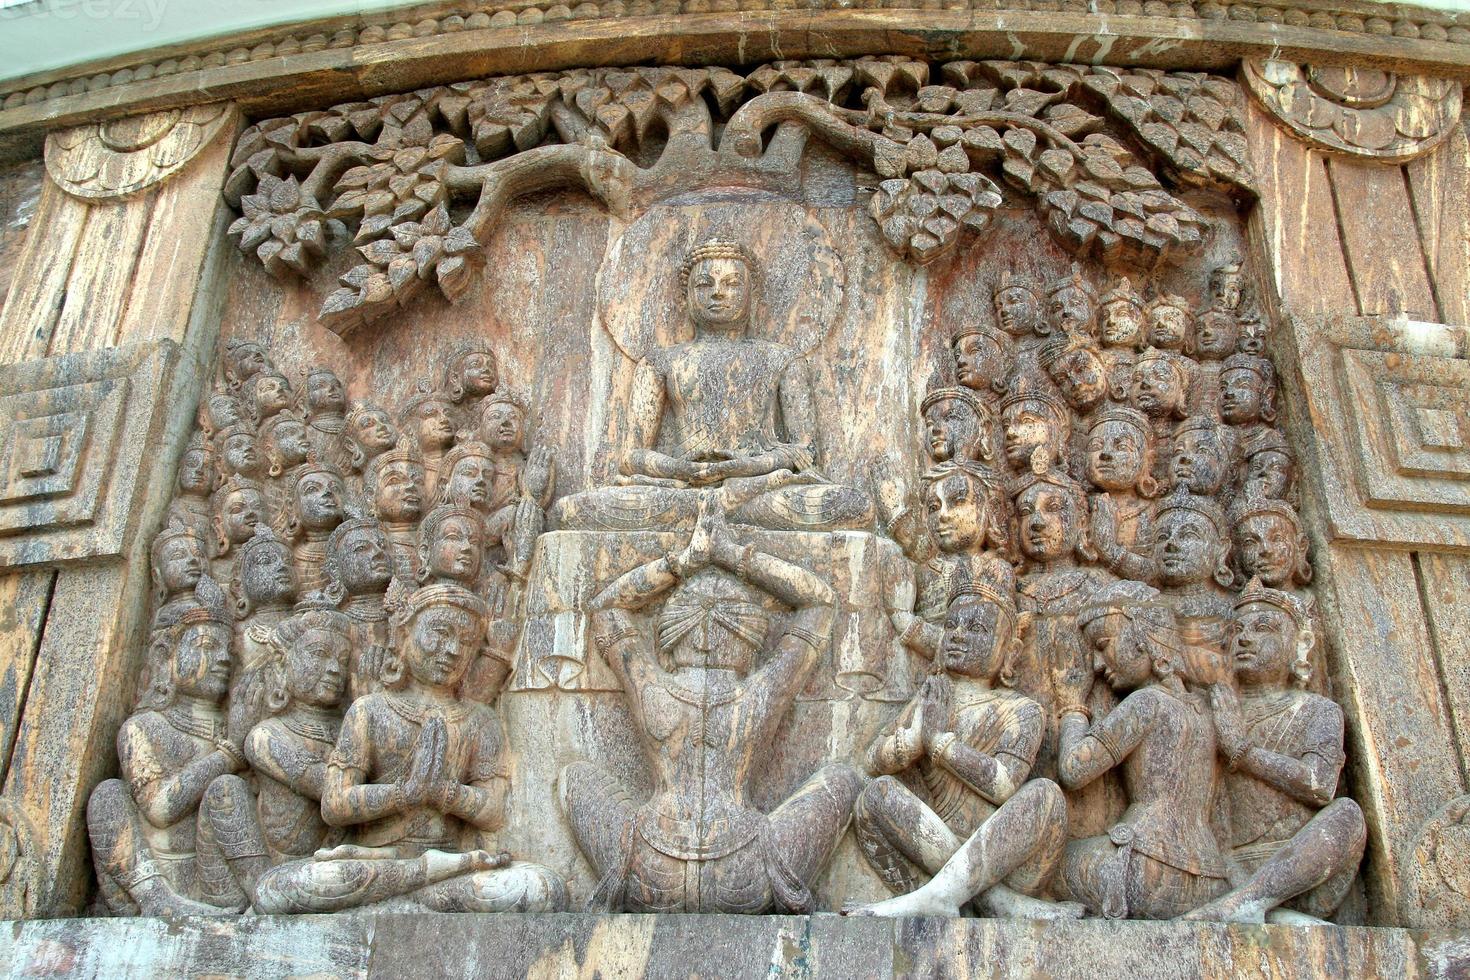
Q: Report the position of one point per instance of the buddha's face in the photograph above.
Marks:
(241, 454)
(1158, 390)
(180, 564)
(289, 439)
(316, 668)
(1049, 522)
(1268, 474)
(1122, 662)
(319, 501)
(1071, 310)
(1116, 456)
(374, 431)
(442, 642)
(1027, 426)
(1198, 462)
(469, 482)
(477, 374)
(719, 292)
(239, 515)
(1081, 378)
(454, 551)
(267, 575)
(952, 429)
(195, 478)
(976, 637)
(362, 561)
(1167, 327)
(1017, 311)
(434, 427)
(977, 360)
(503, 427)
(956, 513)
(246, 361)
(272, 395)
(1122, 325)
(399, 495)
(1262, 644)
(202, 662)
(1242, 396)
(325, 393)
(1187, 547)
(1269, 547)
(1216, 335)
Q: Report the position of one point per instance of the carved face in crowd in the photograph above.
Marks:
(319, 501)
(267, 575)
(1018, 312)
(1071, 311)
(180, 563)
(1168, 327)
(272, 394)
(245, 360)
(224, 411)
(977, 638)
(441, 642)
(399, 494)
(241, 454)
(1225, 290)
(1252, 337)
(325, 393)
(287, 445)
(1028, 426)
(362, 562)
(374, 431)
(1119, 653)
(956, 512)
(433, 425)
(478, 375)
(1080, 377)
(978, 360)
(469, 482)
(1262, 644)
(1050, 522)
(1216, 335)
(1122, 325)
(1242, 396)
(1198, 461)
(240, 513)
(195, 478)
(503, 426)
(719, 292)
(455, 549)
(1268, 474)
(1270, 547)
(201, 664)
(1158, 389)
(316, 668)
(953, 431)
(1187, 547)
(1117, 456)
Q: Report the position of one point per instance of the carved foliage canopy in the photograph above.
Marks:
(419, 179)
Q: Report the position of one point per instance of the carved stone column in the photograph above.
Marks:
(99, 340)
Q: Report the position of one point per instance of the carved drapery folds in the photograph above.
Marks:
(1086, 146)
(1364, 113)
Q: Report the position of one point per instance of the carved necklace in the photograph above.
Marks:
(317, 730)
(209, 729)
(418, 712)
(709, 697)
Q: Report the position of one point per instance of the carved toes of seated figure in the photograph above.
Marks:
(519, 887)
(795, 507)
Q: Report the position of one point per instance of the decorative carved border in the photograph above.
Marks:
(347, 57)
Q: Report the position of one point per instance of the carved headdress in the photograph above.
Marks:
(714, 248)
(1121, 292)
(264, 537)
(454, 369)
(423, 393)
(1074, 280)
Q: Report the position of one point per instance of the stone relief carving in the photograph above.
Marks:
(1359, 112)
(124, 157)
(1071, 637)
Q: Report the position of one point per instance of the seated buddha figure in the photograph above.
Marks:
(725, 412)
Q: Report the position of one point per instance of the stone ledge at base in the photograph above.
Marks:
(658, 946)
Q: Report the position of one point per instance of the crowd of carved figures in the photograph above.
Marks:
(1103, 578)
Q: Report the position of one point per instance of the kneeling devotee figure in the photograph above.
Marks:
(724, 411)
(1294, 849)
(420, 780)
(705, 712)
(968, 742)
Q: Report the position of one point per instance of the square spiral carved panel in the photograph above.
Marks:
(73, 434)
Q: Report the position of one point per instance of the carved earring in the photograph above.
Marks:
(392, 671)
(1224, 575)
